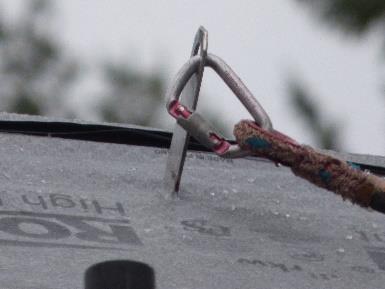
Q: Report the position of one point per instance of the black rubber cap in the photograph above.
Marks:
(378, 202)
(120, 274)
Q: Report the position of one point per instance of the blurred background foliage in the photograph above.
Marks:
(324, 132)
(130, 96)
(34, 71)
(355, 17)
(37, 75)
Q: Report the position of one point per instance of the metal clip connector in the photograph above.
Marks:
(195, 124)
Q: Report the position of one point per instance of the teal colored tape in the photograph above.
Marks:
(354, 165)
(257, 143)
(325, 175)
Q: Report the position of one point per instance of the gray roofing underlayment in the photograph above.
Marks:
(66, 204)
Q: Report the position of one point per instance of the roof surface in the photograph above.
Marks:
(245, 223)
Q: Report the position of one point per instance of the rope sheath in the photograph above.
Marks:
(322, 170)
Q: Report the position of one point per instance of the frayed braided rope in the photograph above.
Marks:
(322, 170)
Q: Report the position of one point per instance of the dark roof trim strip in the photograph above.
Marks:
(116, 134)
(95, 132)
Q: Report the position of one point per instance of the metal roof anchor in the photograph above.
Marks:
(179, 142)
(191, 122)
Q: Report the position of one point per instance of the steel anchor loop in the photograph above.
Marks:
(179, 142)
(195, 124)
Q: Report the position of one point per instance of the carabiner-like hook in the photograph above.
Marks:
(195, 124)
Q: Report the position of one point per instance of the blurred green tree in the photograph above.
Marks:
(35, 73)
(326, 134)
(353, 16)
(131, 96)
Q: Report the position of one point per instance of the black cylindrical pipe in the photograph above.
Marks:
(119, 274)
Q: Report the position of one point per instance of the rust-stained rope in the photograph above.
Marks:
(322, 170)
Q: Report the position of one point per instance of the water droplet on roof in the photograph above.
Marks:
(341, 251)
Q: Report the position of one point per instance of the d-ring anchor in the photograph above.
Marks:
(195, 124)
(179, 142)
(191, 122)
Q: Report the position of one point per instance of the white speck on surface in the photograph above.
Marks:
(340, 251)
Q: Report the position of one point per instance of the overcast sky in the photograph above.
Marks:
(265, 42)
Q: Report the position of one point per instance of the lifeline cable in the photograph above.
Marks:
(333, 174)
